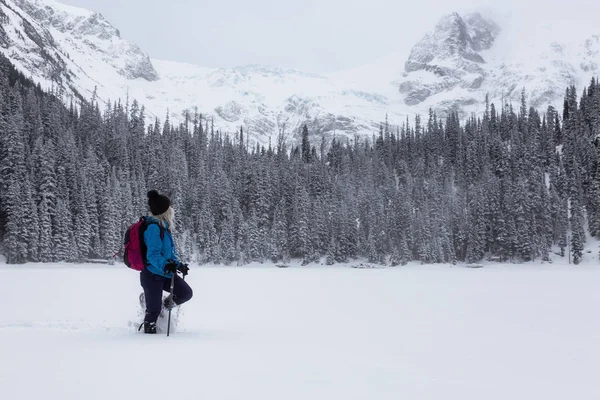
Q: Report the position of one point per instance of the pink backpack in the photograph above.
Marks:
(135, 249)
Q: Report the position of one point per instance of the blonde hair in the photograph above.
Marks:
(168, 217)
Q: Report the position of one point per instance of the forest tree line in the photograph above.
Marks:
(512, 184)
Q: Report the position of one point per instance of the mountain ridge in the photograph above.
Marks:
(451, 69)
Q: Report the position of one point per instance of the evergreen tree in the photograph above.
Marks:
(306, 153)
(508, 184)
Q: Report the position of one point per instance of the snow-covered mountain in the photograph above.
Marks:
(465, 58)
(72, 47)
(449, 58)
(78, 50)
(451, 68)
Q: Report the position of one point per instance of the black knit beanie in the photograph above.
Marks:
(158, 203)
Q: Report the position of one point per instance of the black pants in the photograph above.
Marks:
(153, 288)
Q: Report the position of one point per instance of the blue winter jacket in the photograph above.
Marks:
(160, 252)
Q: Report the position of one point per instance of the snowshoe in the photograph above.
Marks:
(162, 321)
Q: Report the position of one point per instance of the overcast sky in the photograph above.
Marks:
(310, 35)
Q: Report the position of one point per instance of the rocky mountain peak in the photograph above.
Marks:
(82, 23)
(88, 31)
(454, 39)
(449, 56)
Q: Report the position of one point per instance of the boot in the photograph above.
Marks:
(149, 327)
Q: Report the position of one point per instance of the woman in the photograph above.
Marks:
(161, 262)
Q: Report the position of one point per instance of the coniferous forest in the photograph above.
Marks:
(513, 184)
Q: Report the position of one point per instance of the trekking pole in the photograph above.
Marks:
(171, 303)
(111, 260)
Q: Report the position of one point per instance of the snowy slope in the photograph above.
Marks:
(452, 67)
(263, 99)
(417, 332)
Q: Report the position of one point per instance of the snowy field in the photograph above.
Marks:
(432, 332)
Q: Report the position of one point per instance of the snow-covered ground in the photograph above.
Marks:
(415, 332)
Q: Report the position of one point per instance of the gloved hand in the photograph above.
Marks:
(171, 267)
(183, 268)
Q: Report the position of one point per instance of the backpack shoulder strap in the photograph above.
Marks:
(143, 228)
(160, 227)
